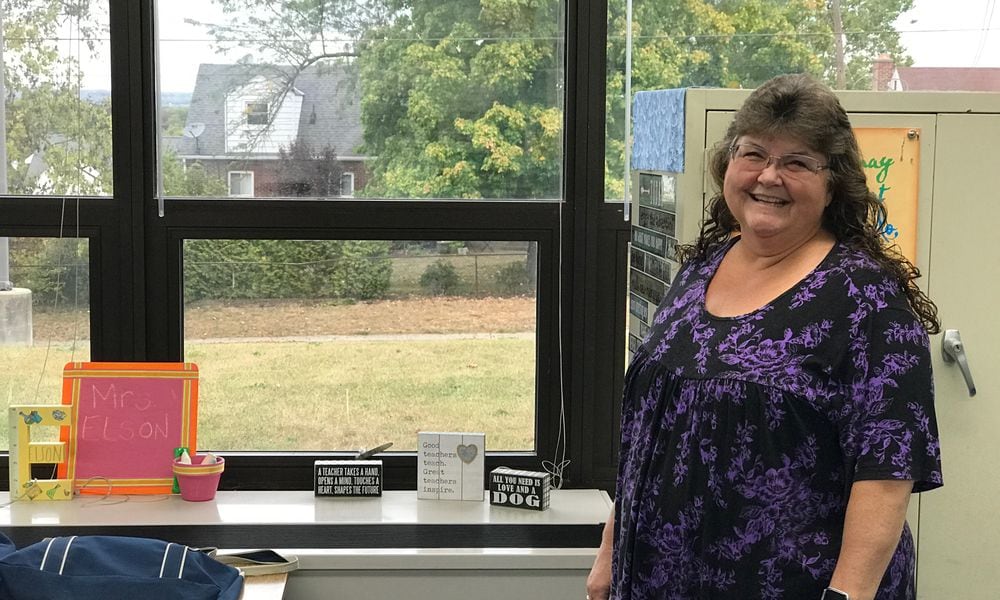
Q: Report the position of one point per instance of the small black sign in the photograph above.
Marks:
(347, 478)
(520, 489)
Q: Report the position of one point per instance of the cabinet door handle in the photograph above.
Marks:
(953, 351)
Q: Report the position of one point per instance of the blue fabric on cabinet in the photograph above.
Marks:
(658, 131)
(111, 568)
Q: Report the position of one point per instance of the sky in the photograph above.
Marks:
(952, 33)
(936, 33)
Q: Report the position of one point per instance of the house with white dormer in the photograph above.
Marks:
(241, 115)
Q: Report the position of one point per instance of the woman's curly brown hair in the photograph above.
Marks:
(801, 108)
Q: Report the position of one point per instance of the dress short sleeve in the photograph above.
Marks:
(891, 428)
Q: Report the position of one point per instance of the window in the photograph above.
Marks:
(347, 184)
(465, 138)
(715, 44)
(46, 321)
(300, 286)
(312, 345)
(57, 99)
(241, 183)
(256, 113)
(478, 115)
(56, 189)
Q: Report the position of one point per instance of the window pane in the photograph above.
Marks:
(44, 320)
(241, 183)
(347, 184)
(256, 113)
(415, 99)
(55, 98)
(742, 44)
(343, 344)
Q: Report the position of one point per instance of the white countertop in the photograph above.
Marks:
(567, 507)
(245, 509)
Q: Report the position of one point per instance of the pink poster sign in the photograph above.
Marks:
(127, 419)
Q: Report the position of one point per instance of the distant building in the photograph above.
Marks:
(241, 115)
(888, 77)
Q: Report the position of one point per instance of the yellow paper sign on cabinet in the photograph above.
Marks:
(891, 158)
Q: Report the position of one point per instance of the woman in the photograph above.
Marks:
(780, 412)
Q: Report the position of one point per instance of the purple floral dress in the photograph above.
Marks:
(741, 436)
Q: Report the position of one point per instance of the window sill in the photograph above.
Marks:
(396, 530)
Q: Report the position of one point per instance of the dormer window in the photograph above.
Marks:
(256, 113)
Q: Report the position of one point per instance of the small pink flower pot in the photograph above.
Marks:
(198, 482)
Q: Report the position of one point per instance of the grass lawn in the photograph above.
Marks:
(331, 395)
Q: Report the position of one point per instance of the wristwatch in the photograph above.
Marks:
(834, 594)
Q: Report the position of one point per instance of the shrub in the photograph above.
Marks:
(252, 269)
(56, 270)
(512, 279)
(440, 278)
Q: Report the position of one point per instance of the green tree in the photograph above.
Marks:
(57, 142)
(460, 98)
(251, 269)
(463, 98)
(737, 43)
(172, 119)
(55, 270)
(305, 172)
(189, 180)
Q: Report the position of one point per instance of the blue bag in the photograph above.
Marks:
(109, 568)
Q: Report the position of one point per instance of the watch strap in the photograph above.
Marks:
(832, 593)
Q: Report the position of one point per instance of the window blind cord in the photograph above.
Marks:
(76, 288)
(81, 174)
(55, 303)
(559, 463)
(58, 288)
(62, 228)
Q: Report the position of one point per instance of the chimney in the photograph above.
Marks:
(882, 69)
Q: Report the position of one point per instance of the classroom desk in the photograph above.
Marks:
(374, 547)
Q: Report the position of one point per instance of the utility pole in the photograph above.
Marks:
(5, 283)
(838, 42)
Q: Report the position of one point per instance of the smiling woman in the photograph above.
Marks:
(779, 209)
(761, 415)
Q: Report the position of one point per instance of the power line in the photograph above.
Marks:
(984, 32)
(495, 38)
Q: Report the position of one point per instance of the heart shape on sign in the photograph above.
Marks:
(467, 452)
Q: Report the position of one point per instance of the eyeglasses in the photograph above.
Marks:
(754, 158)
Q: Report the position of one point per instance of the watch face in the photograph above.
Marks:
(832, 594)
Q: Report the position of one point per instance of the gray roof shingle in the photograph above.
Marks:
(331, 105)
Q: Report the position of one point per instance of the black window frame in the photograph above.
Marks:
(136, 258)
